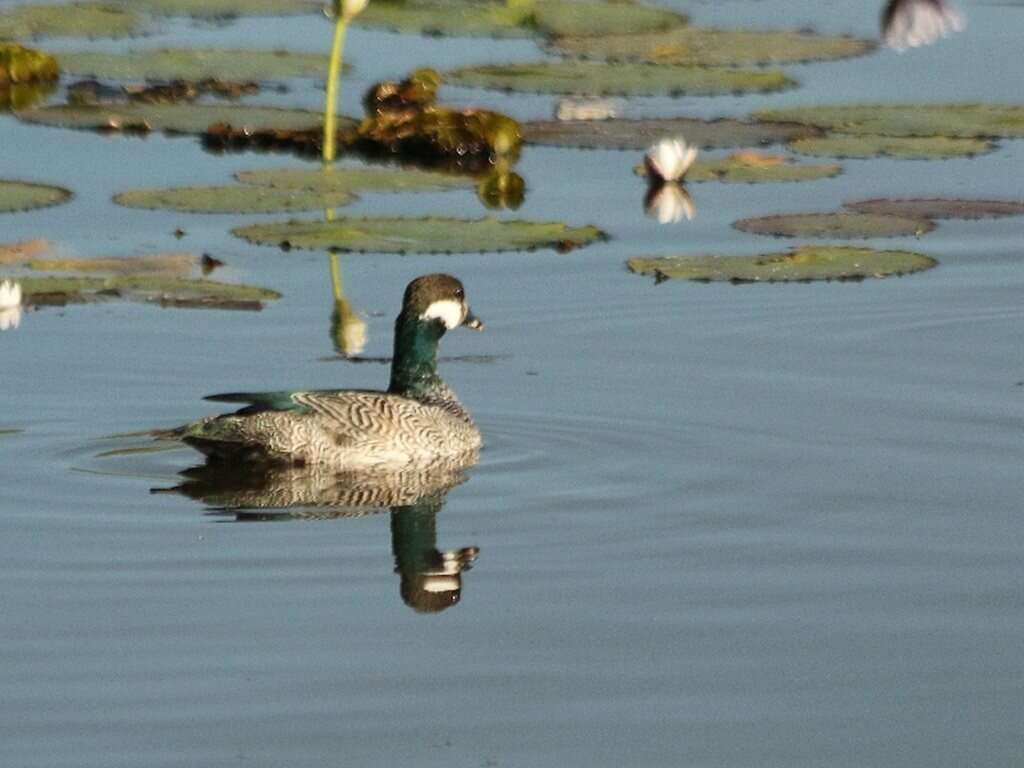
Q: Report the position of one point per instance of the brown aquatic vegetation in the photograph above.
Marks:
(174, 92)
(25, 65)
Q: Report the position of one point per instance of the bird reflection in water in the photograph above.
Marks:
(913, 23)
(430, 578)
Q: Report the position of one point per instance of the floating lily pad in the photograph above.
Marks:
(428, 235)
(743, 168)
(846, 226)
(24, 195)
(601, 79)
(223, 9)
(161, 264)
(74, 20)
(714, 47)
(901, 147)
(24, 251)
(640, 134)
(353, 180)
(174, 118)
(940, 209)
(953, 120)
(167, 291)
(501, 19)
(232, 198)
(803, 264)
(194, 64)
(24, 65)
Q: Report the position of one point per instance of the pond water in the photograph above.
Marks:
(768, 525)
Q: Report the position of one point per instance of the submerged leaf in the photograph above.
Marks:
(602, 79)
(901, 147)
(939, 208)
(714, 47)
(640, 134)
(233, 198)
(952, 120)
(846, 226)
(353, 180)
(803, 264)
(427, 235)
(194, 64)
(73, 20)
(24, 195)
(745, 168)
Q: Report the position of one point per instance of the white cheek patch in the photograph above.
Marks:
(449, 311)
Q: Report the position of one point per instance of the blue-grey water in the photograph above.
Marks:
(718, 526)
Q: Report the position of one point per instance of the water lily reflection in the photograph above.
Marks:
(502, 187)
(669, 203)
(913, 23)
(348, 329)
(10, 305)
(430, 578)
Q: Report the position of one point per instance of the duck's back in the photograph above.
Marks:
(350, 428)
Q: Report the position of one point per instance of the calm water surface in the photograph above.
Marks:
(717, 526)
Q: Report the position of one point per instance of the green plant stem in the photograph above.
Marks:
(333, 79)
(339, 294)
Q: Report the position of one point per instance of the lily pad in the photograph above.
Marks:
(194, 64)
(940, 208)
(744, 168)
(803, 264)
(353, 180)
(25, 196)
(232, 198)
(696, 46)
(846, 226)
(74, 20)
(166, 291)
(640, 134)
(173, 118)
(952, 120)
(162, 264)
(501, 19)
(427, 235)
(223, 9)
(901, 147)
(602, 79)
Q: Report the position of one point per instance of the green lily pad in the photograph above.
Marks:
(194, 64)
(74, 20)
(803, 264)
(161, 264)
(173, 118)
(353, 180)
(740, 170)
(223, 9)
(427, 235)
(640, 134)
(602, 79)
(167, 291)
(232, 198)
(939, 208)
(25, 196)
(478, 18)
(846, 226)
(20, 65)
(901, 147)
(952, 120)
(696, 46)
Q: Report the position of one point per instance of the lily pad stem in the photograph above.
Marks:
(333, 78)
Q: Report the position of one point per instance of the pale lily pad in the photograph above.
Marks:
(353, 180)
(167, 291)
(173, 118)
(640, 134)
(900, 147)
(845, 226)
(194, 64)
(803, 264)
(714, 47)
(952, 120)
(427, 235)
(74, 20)
(25, 196)
(223, 9)
(747, 168)
(602, 79)
(232, 198)
(939, 208)
(161, 264)
(479, 18)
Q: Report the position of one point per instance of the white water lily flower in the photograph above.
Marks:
(913, 23)
(10, 295)
(670, 203)
(352, 8)
(670, 159)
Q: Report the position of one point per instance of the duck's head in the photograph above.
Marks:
(439, 298)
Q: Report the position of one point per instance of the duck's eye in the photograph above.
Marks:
(459, 293)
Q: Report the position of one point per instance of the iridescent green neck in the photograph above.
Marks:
(414, 367)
